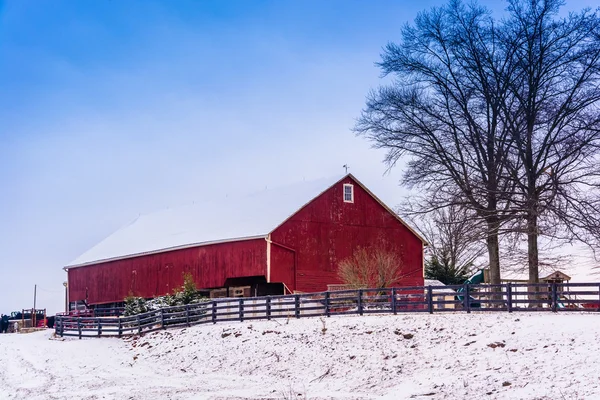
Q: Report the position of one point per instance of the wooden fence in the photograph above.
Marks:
(425, 299)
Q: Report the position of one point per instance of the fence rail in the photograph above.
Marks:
(425, 299)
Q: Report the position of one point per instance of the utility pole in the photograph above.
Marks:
(65, 284)
(33, 314)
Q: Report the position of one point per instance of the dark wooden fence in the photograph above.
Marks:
(425, 299)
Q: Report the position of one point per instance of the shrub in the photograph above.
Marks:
(185, 294)
(374, 269)
(135, 305)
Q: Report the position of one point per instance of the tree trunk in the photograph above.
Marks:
(494, 259)
(493, 250)
(533, 258)
(532, 249)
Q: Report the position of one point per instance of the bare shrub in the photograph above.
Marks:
(375, 268)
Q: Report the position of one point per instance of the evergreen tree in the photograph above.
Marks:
(443, 270)
(135, 305)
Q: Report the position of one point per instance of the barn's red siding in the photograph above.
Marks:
(328, 230)
(157, 274)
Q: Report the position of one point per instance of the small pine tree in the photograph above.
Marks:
(180, 296)
(447, 273)
(189, 292)
(186, 294)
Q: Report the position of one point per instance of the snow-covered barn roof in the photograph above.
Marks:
(222, 220)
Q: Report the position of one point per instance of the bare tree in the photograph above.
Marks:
(455, 238)
(552, 114)
(443, 111)
(453, 234)
(514, 253)
(498, 116)
(372, 268)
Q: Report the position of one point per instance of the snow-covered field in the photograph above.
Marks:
(492, 356)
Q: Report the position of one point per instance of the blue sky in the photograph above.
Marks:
(110, 109)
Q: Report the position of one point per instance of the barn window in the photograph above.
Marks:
(348, 193)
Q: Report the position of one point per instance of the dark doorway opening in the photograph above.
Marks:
(252, 286)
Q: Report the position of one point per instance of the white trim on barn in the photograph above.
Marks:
(423, 257)
(268, 258)
(350, 198)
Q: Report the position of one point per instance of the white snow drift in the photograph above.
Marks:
(495, 356)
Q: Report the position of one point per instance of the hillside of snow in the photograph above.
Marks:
(440, 356)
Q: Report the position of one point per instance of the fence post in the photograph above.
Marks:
(241, 310)
(268, 307)
(297, 305)
(79, 326)
(360, 305)
(327, 312)
(214, 312)
(509, 305)
(554, 298)
(120, 327)
(394, 301)
(187, 314)
(99, 327)
(429, 299)
(162, 318)
(467, 298)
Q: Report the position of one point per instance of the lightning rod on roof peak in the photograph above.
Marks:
(346, 167)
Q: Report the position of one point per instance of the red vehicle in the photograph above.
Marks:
(40, 318)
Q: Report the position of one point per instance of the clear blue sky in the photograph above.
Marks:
(113, 108)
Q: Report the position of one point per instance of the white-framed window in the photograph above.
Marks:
(348, 193)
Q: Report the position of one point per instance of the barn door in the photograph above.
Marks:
(282, 267)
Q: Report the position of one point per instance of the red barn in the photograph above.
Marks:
(289, 239)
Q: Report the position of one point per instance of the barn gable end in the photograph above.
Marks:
(307, 248)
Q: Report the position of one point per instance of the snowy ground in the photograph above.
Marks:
(495, 356)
